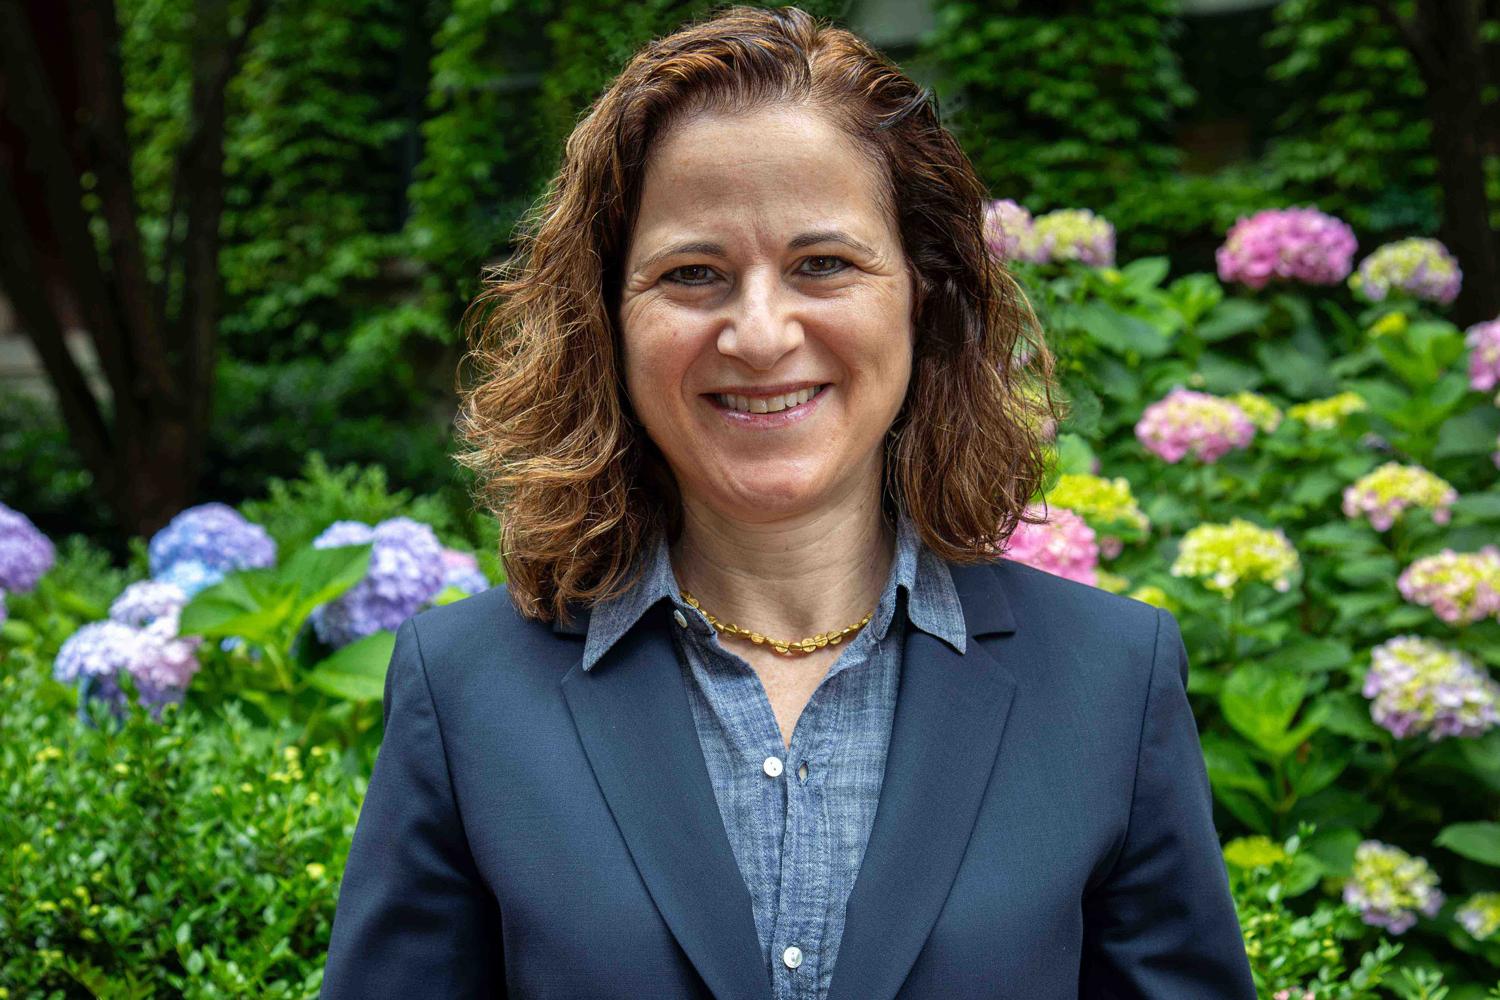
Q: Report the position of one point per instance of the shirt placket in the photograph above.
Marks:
(797, 947)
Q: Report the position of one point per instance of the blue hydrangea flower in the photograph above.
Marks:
(216, 535)
(160, 662)
(25, 553)
(102, 649)
(190, 576)
(406, 570)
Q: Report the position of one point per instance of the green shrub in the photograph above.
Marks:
(195, 857)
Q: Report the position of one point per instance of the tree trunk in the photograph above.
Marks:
(63, 110)
(1444, 39)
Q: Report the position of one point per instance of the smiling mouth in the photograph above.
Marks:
(767, 404)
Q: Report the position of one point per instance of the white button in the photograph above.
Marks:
(792, 957)
(772, 767)
(681, 618)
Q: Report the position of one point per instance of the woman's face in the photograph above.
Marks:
(761, 264)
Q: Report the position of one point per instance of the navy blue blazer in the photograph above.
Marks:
(1045, 828)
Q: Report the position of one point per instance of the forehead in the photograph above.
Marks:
(766, 171)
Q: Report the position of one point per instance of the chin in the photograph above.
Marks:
(767, 498)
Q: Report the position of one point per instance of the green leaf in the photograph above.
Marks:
(249, 603)
(1121, 332)
(1230, 766)
(1348, 714)
(1472, 432)
(1334, 849)
(1074, 456)
(1314, 487)
(1223, 375)
(356, 672)
(1320, 770)
(1260, 702)
(1309, 655)
(1479, 506)
(320, 575)
(1475, 841)
(1366, 570)
(1340, 536)
(1231, 317)
(1146, 273)
(1301, 374)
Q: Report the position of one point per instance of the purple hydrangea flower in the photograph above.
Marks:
(214, 534)
(1390, 887)
(25, 553)
(1417, 686)
(1070, 234)
(1421, 268)
(1483, 341)
(1006, 227)
(406, 570)
(461, 570)
(1459, 587)
(151, 605)
(1296, 244)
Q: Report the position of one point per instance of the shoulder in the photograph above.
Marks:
(1054, 604)
(1073, 633)
(484, 636)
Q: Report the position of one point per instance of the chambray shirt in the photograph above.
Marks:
(798, 818)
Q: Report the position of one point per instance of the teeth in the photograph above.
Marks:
(767, 404)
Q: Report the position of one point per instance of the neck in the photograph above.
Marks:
(788, 578)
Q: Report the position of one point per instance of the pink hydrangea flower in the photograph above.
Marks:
(1294, 244)
(1187, 422)
(1063, 545)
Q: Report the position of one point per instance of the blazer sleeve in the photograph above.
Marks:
(1162, 925)
(413, 916)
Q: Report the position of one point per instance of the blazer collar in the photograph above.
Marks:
(633, 719)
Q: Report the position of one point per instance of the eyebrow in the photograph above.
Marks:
(795, 243)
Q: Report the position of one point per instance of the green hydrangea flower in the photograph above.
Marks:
(1263, 413)
(1326, 414)
(1223, 556)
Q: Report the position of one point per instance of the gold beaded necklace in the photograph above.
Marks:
(785, 647)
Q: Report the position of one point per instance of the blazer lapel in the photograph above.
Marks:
(637, 729)
(950, 715)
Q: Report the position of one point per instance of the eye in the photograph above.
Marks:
(843, 264)
(686, 267)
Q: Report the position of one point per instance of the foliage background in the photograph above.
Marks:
(379, 153)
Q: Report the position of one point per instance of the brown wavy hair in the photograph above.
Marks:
(560, 455)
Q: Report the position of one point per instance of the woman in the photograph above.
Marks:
(756, 381)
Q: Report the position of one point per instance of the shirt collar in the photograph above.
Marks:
(932, 603)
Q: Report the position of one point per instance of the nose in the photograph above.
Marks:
(762, 328)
